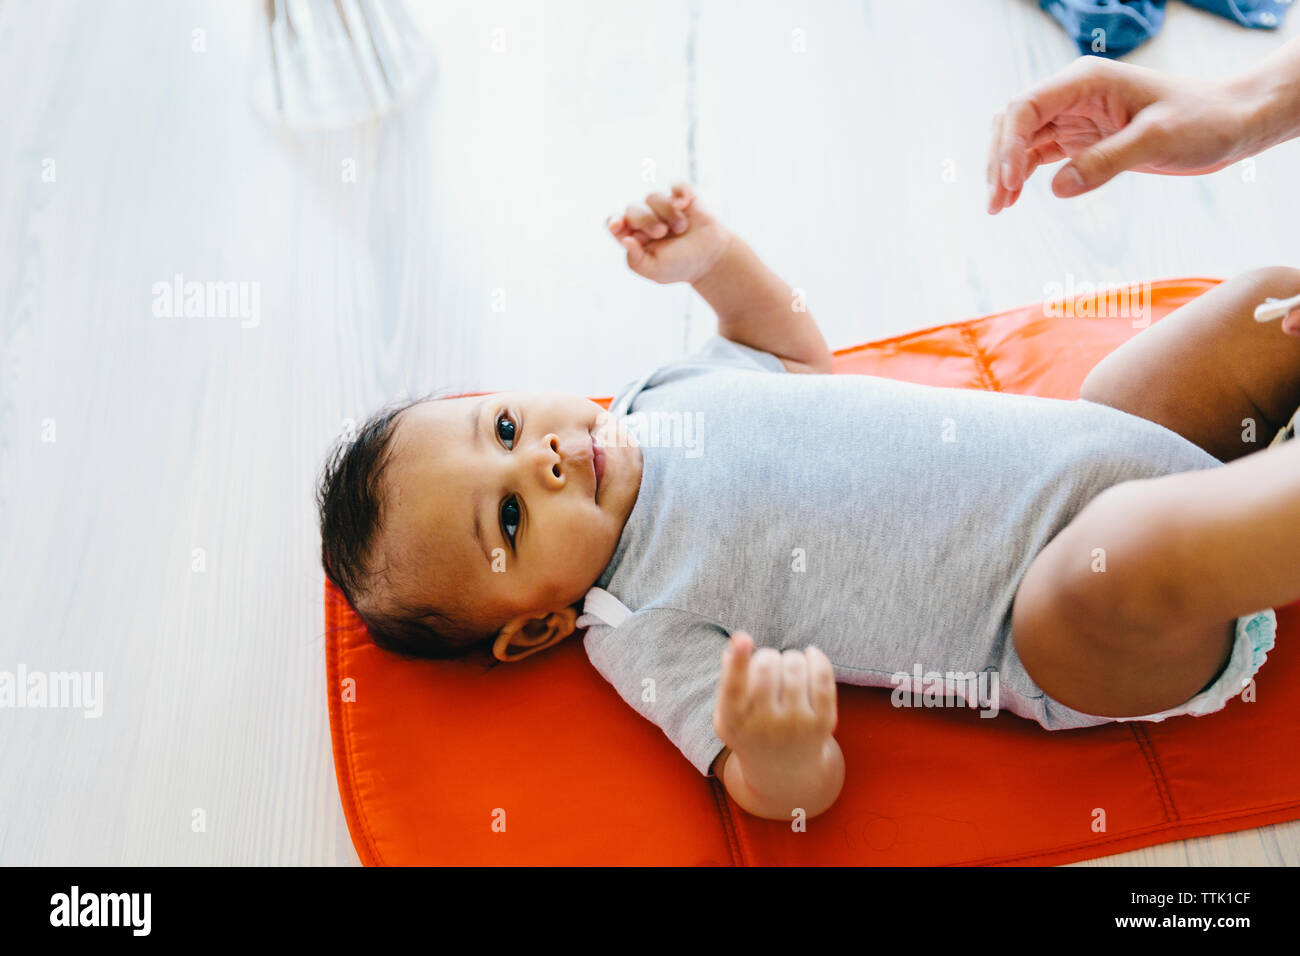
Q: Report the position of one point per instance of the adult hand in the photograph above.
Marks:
(1106, 117)
(1291, 322)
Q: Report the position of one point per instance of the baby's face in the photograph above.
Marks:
(499, 493)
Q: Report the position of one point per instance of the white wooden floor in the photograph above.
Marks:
(846, 141)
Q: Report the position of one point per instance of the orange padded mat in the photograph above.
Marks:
(541, 762)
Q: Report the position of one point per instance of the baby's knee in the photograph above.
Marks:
(1109, 572)
(1277, 282)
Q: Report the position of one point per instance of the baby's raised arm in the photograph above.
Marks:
(776, 713)
(674, 238)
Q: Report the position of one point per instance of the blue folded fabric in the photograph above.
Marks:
(1261, 14)
(1109, 28)
(1112, 28)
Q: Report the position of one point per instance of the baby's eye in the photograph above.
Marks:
(510, 518)
(506, 430)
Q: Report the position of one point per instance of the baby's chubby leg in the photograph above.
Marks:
(1208, 370)
(1235, 535)
(1183, 556)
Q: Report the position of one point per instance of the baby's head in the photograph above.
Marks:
(476, 522)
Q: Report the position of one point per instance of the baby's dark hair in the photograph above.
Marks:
(350, 498)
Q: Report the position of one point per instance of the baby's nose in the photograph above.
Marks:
(553, 459)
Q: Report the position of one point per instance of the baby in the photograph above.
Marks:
(742, 530)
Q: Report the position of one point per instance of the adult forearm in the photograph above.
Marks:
(1270, 93)
(757, 308)
(776, 789)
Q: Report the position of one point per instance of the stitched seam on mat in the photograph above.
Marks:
(364, 818)
(358, 807)
(1131, 834)
(728, 824)
(1157, 771)
(988, 380)
(333, 642)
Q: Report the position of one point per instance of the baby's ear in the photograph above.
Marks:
(565, 619)
(529, 633)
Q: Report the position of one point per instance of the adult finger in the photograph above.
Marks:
(1047, 133)
(1039, 156)
(1042, 155)
(1101, 162)
(1040, 106)
(990, 168)
(1291, 322)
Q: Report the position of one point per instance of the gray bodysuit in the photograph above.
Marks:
(886, 522)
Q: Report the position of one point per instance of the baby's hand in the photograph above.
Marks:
(775, 707)
(672, 238)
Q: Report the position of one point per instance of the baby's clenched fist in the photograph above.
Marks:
(671, 237)
(774, 705)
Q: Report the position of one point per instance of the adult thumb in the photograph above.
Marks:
(1291, 322)
(1103, 161)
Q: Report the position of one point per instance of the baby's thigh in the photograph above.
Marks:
(1090, 622)
(1208, 369)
